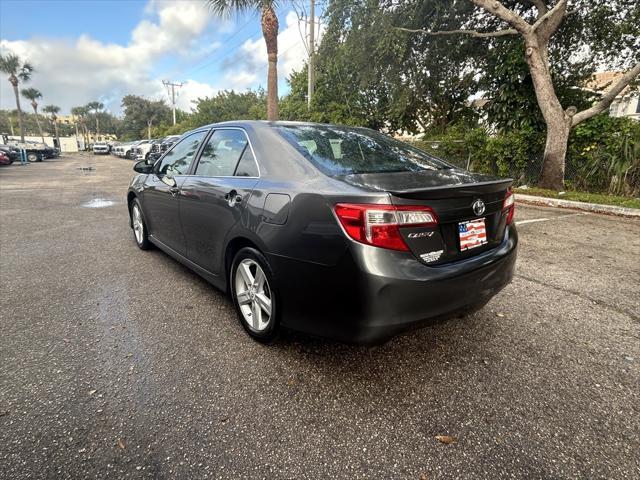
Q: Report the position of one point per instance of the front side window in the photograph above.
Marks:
(223, 152)
(346, 151)
(178, 160)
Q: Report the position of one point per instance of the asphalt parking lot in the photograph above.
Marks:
(120, 363)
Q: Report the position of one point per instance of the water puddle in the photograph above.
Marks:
(98, 203)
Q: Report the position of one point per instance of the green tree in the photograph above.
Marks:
(554, 39)
(53, 110)
(80, 113)
(230, 105)
(18, 71)
(96, 107)
(140, 114)
(33, 95)
(269, 22)
(374, 75)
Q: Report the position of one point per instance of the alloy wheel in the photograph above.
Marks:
(138, 225)
(253, 295)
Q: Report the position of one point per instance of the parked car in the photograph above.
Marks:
(142, 149)
(11, 152)
(167, 142)
(4, 158)
(335, 231)
(36, 151)
(123, 149)
(100, 148)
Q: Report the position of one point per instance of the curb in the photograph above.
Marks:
(587, 207)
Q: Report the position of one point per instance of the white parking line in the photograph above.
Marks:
(544, 219)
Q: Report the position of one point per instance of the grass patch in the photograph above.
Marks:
(600, 198)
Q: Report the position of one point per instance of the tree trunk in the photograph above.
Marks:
(17, 94)
(558, 122)
(555, 150)
(148, 130)
(97, 127)
(270, 34)
(35, 110)
(55, 127)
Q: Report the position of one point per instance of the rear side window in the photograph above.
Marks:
(223, 153)
(345, 150)
(247, 166)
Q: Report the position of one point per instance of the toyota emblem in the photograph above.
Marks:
(478, 207)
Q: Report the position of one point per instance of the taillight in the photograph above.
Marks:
(379, 225)
(509, 206)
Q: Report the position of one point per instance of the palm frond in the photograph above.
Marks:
(31, 93)
(25, 72)
(51, 109)
(9, 64)
(226, 8)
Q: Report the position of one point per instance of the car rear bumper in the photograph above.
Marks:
(373, 294)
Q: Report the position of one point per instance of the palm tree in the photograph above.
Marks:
(80, 113)
(33, 95)
(270, 25)
(18, 71)
(96, 107)
(53, 110)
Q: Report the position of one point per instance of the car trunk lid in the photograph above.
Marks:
(451, 193)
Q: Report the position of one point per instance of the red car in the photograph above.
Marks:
(4, 159)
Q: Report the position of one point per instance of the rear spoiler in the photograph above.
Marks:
(447, 191)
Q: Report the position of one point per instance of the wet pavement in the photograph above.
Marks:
(119, 363)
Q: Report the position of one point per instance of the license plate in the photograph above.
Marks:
(473, 233)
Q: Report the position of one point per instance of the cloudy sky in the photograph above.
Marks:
(85, 50)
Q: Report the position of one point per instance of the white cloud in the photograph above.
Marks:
(250, 64)
(190, 91)
(73, 73)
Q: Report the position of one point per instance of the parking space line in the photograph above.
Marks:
(544, 219)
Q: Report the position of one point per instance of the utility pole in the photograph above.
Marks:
(173, 86)
(311, 71)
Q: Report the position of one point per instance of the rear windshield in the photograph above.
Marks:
(345, 151)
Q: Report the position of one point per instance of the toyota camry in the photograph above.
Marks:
(334, 231)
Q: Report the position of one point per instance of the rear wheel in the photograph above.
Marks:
(254, 294)
(139, 227)
(33, 157)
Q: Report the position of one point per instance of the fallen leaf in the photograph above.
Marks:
(500, 314)
(446, 439)
(424, 476)
(91, 392)
(122, 444)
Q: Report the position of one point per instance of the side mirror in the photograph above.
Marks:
(143, 167)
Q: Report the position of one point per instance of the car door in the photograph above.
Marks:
(161, 198)
(215, 196)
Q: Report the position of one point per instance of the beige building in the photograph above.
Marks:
(626, 104)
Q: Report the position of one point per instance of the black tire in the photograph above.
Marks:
(142, 242)
(270, 332)
(33, 157)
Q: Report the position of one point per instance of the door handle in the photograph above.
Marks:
(174, 191)
(233, 198)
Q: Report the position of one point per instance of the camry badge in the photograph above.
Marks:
(478, 207)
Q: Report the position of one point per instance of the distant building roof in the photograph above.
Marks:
(601, 81)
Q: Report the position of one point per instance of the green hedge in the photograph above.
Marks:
(603, 154)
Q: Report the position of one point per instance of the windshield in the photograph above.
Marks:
(345, 151)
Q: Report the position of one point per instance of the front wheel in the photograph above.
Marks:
(33, 157)
(254, 294)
